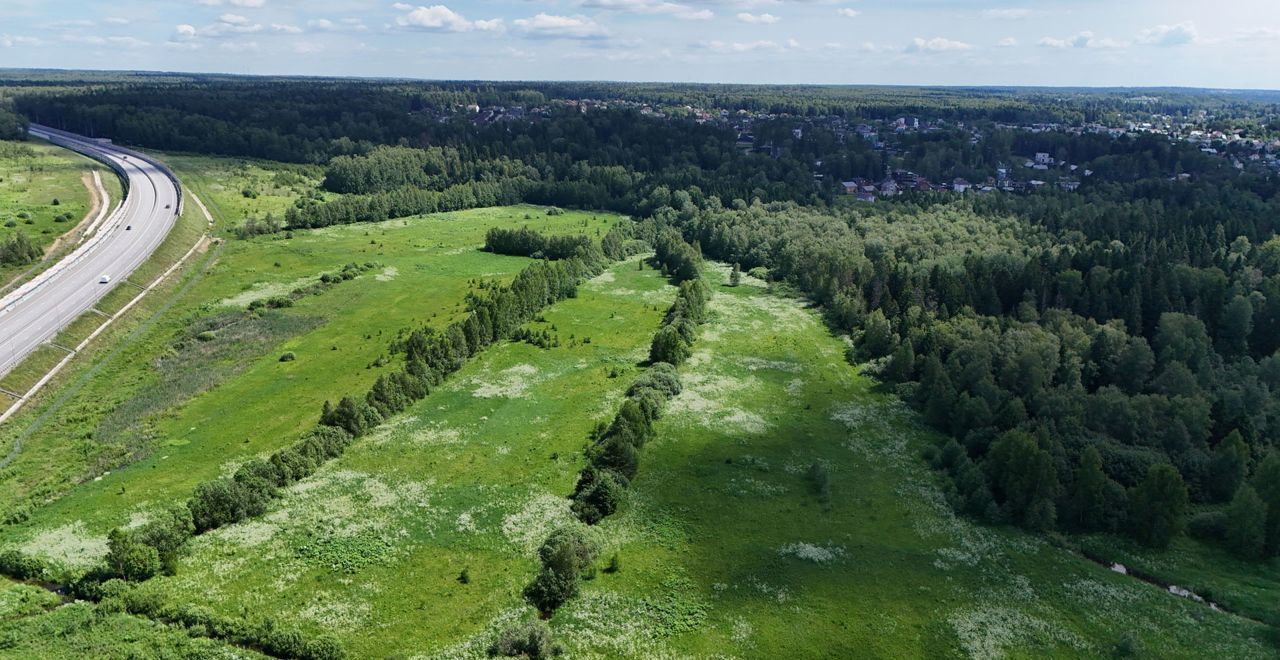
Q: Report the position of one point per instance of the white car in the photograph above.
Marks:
(104, 279)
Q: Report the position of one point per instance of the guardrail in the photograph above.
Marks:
(77, 144)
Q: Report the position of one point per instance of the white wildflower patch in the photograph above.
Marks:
(818, 554)
(510, 383)
(264, 290)
(703, 397)
(389, 273)
(616, 625)
(70, 546)
(750, 486)
(745, 420)
(992, 632)
(756, 364)
(465, 522)
(794, 385)
(775, 593)
(333, 614)
(542, 514)
(762, 313)
(433, 435)
(476, 647)
(659, 297)
(1095, 593)
(724, 271)
(247, 534)
(138, 519)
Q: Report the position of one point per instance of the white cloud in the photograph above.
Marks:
(650, 7)
(240, 46)
(935, 45)
(549, 26)
(322, 24)
(14, 41)
(439, 18)
(1179, 34)
(285, 28)
(1258, 34)
(1084, 39)
(233, 19)
(183, 32)
(115, 20)
(743, 47)
(766, 19)
(1006, 14)
(247, 4)
(847, 12)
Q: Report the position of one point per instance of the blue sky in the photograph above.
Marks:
(1227, 43)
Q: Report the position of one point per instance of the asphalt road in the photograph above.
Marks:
(35, 312)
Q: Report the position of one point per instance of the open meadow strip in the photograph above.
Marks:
(469, 481)
(182, 406)
(43, 195)
(781, 508)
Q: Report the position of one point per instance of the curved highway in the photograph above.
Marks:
(35, 312)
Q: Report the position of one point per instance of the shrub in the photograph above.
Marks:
(531, 639)
(564, 556)
(207, 335)
(662, 377)
(224, 501)
(129, 558)
(1208, 526)
(616, 454)
(820, 480)
(597, 494)
(288, 356)
(20, 566)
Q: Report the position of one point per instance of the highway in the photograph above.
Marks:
(35, 312)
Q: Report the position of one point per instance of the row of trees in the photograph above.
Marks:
(526, 242)
(613, 456)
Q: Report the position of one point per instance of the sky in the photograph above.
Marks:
(1220, 44)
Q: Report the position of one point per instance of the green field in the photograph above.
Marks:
(726, 546)
(173, 411)
(32, 176)
(236, 189)
(473, 477)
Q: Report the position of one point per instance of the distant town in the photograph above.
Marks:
(1028, 172)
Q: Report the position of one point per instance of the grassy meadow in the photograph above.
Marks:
(418, 540)
(32, 176)
(471, 478)
(171, 410)
(728, 550)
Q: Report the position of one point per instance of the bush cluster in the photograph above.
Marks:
(674, 340)
(265, 635)
(565, 556)
(525, 242)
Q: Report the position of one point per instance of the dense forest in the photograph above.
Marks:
(1101, 359)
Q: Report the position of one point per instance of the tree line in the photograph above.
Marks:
(1172, 387)
(613, 454)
